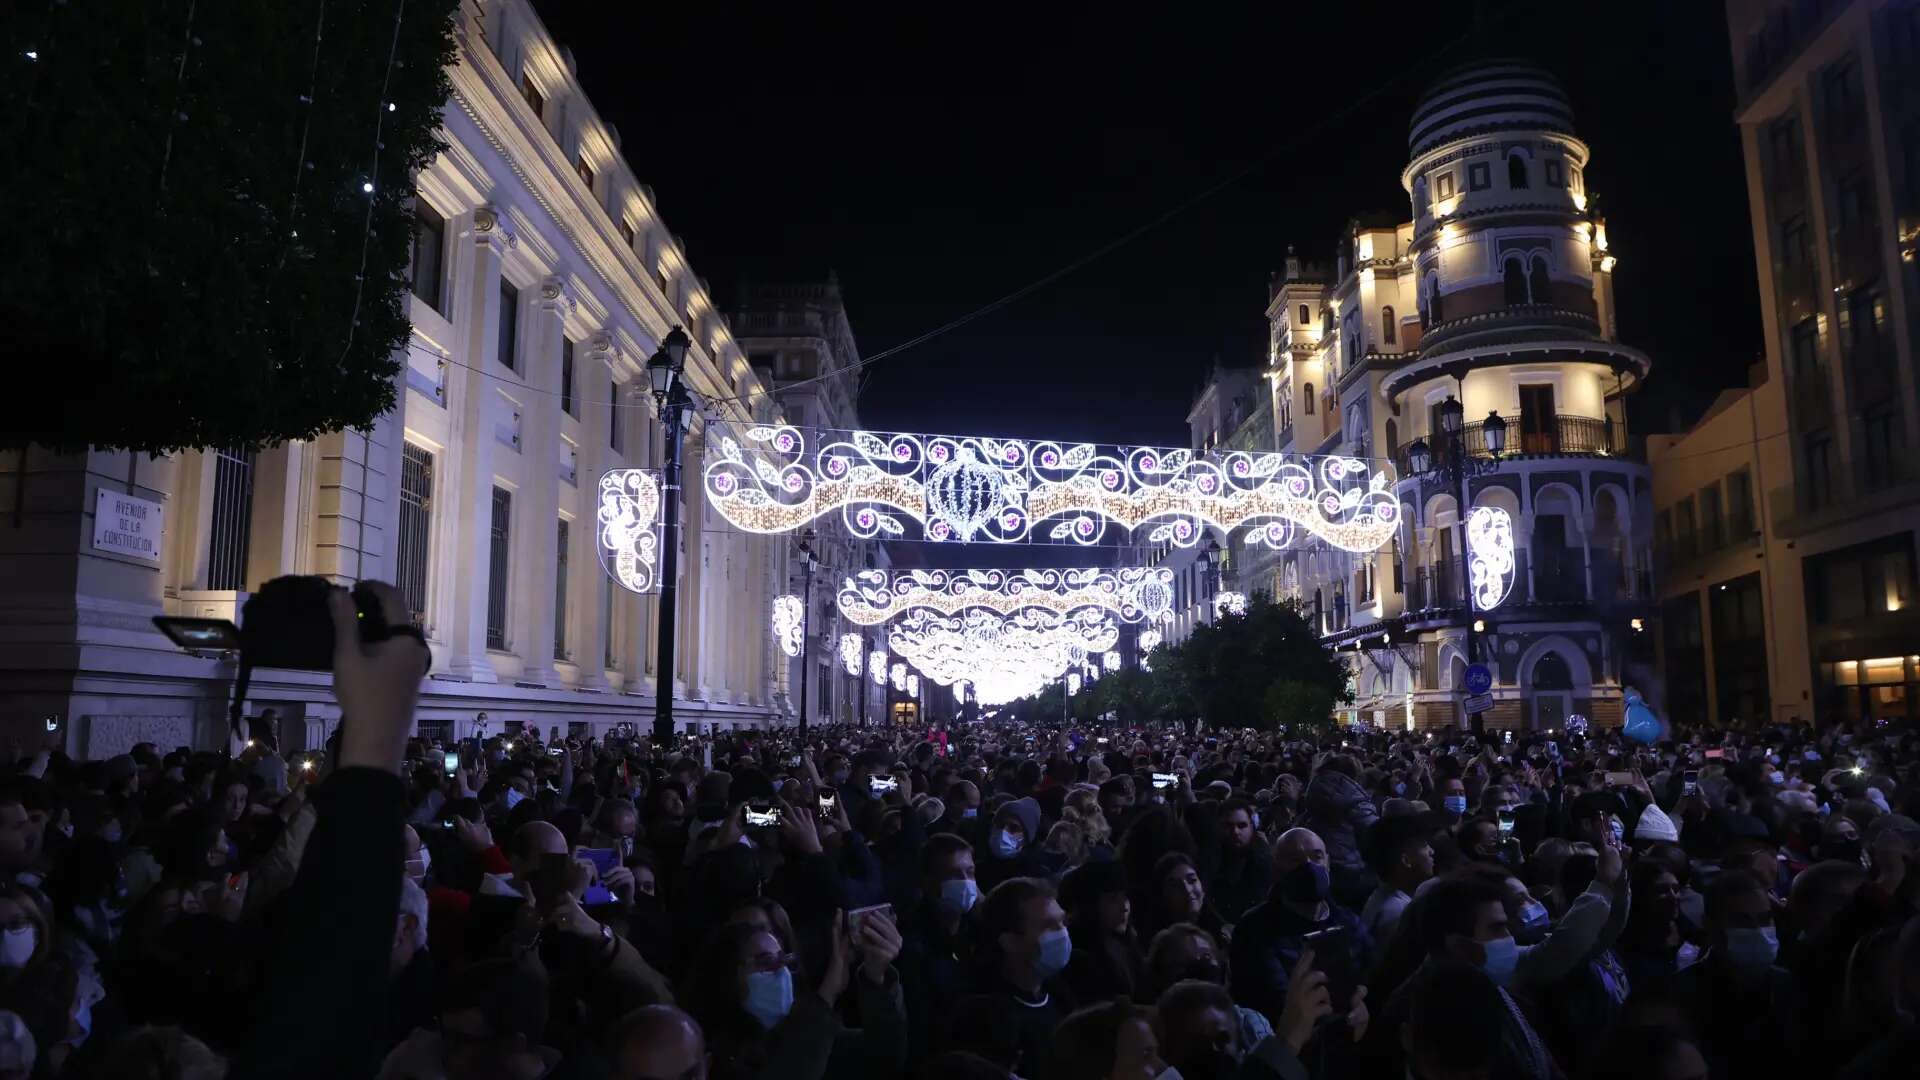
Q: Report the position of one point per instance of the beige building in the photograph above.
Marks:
(1829, 115)
(544, 277)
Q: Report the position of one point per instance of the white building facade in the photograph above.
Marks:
(543, 280)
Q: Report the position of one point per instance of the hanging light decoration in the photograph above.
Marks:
(1001, 657)
(628, 537)
(852, 647)
(1134, 594)
(1491, 565)
(899, 676)
(1230, 603)
(788, 618)
(877, 667)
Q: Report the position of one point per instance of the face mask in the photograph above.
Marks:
(1455, 804)
(514, 798)
(958, 896)
(969, 813)
(1777, 778)
(1171, 1073)
(1056, 948)
(1399, 789)
(1533, 913)
(112, 833)
(769, 996)
(417, 868)
(1204, 969)
(1752, 948)
(1503, 955)
(16, 948)
(1307, 883)
(1006, 845)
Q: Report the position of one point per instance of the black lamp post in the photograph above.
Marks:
(1456, 468)
(1213, 570)
(664, 371)
(808, 562)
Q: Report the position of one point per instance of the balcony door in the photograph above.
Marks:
(1537, 429)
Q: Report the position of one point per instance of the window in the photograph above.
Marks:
(560, 594)
(509, 324)
(1663, 533)
(1793, 241)
(1539, 423)
(1818, 459)
(566, 376)
(614, 417)
(1805, 349)
(1740, 520)
(1513, 282)
(230, 525)
(1516, 170)
(535, 99)
(1306, 393)
(1306, 316)
(626, 231)
(1389, 331)
(1573, 179)
(1433, 300)
(1553, 174)
(1539, 289)
(1783, 148)
(1867, 579)
(429, 248)
(497, 569)
(1684, 534)
(416, 519)
(1879, 443)
(1713, 521)
(1840, 97)
(1478, 178)
(1852, 201)
(1862, 321)
(585, 168)
(1419, 196)
(1443, 186)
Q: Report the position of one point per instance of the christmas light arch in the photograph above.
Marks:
(1134, 594)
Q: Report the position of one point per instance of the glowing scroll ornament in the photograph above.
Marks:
(899, 676)
(877, 667)
(628, 538)
(852, 647)
(1230, 603)
(787, 615)
(1490, 566)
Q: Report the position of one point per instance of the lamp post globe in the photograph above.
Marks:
(1495, 430)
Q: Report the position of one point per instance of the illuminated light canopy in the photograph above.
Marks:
(877, 667)
(1490, 565)
(852, 648)
(788, 614)
(899, 676)
(1230, 603)
(971, 489)
(1001, 657)
(1135, 594)
(628, 537)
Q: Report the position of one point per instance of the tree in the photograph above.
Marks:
(198, 256)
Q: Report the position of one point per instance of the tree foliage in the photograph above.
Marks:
(195, 256)
(1264, 669)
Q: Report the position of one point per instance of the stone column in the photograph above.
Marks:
(471, 409)
(537, 538)
(277, 526)
(596, 457)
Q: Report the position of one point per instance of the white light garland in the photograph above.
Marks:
(899, 676)
(877, 667)
(852, 648)
(979, 489)
(1001, 657)
(1135, 594)
(628, 539)
(1230, 603)
(1111, 660)
(1149, 641)
(788, 616)
(1491, 565)
(913, 686)
(1073, 683)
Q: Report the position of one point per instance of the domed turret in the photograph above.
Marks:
(1488, 96)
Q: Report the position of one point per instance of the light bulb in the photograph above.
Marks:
(367, 187)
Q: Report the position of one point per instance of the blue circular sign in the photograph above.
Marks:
(1479, 679)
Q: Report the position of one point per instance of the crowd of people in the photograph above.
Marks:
(1048, 903)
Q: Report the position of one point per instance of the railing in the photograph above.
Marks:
(1569, 576)
(1558, 436)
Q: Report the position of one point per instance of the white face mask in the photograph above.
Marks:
(16, 947)
(417, 867)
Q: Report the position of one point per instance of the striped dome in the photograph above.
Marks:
(1488, 95)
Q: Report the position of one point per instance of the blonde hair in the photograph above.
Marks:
(1071, 841)
(1090, 821)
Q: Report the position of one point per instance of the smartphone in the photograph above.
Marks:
(1619, 779)
(828, 800)
(1506, 822)
(557, 751)
(1164, 780)
(1716, 754)
(856, 915)
(1102, 740)
(1690, 782)
(1333, 956)
(794, 762)
(191, 632)
(880, 785)
(764, 814)
(451, 761)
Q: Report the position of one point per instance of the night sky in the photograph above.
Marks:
(939, 157)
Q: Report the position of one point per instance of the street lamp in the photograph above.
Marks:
(1213, 566)
(808, 564)
(664, 371)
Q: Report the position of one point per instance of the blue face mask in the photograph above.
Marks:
(1455, 804)
(514, 798)
(1534, 914)
(1006, 845)
(769, 996)
(1752, 948)
(1503, 955)
(1056, 948)
(969, 813)
(957, 896)
(1399, 789)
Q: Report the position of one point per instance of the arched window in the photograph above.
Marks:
(1306, 317)
(1306, 391)
(1513, 279)
(1388, 331)
(1537, 286)
(1433, 299)
(1516, 170)
(1326, 323)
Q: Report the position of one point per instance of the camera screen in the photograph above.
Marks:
(880, 785)
(452, 761)
(763, 817)
(1166, 780)
(195, 633)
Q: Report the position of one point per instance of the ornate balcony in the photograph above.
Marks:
(1559, 436)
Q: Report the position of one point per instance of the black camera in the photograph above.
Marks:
(285, 625)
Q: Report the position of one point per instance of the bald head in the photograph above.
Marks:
(530, 842)
(658, 1042)
(1297, 846)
